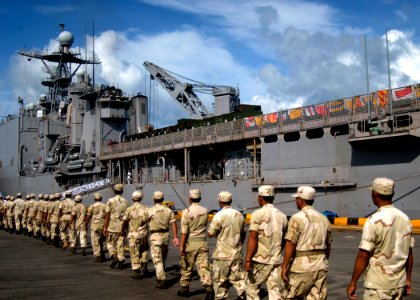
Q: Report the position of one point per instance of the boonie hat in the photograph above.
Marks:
(225, 197)
(97, 196)
(305, 192)
(137, 195)
(78, 198)
(195, 194)
(118, 187)
(158, 195)
(383, 186)
(266, 191)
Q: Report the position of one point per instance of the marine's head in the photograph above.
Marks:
(137, 196)
(304, 196)
(57, 196)
(68, 194)
(382, 191)
(51, 197)
(33, 196)
(118, 189)
(97, 197)
(225, 198)
(12, 198)
(40, 196)
(7, 197)
(195, 195)
(78, 198)
(265, 194)
(19, 195)
(158, 197)
(28, 197)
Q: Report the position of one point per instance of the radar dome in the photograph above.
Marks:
(66, 38)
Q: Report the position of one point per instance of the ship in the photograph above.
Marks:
(84, 137)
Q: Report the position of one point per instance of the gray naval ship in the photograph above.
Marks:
(85, 137)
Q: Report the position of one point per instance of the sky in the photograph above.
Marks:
(279, 53)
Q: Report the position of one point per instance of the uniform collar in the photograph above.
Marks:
(268, 205)
(307, 207)
(385, 206)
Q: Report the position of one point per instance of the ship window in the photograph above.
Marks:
(340, 130)
(270, 139)
(316, 133)
(291, 136)
(403, 121)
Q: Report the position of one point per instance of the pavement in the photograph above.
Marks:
(29, 269)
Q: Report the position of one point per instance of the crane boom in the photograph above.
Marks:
(180, 91)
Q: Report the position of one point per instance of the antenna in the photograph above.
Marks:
(389, 74)
(93, 54)
(367, 81)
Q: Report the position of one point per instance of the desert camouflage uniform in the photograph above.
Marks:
(270, 225)
(19, 207)
(31, 208)
(5, 209)
(160, 218)
(311, 232)
(10, 213)
(65, 207)
(387, 235)
(79, 230)
(47, 207)
(193, 225)
(40, 224)
(24, 213)
(136, 216)
(53, 218)
(227, 226)
(97, 212)
(116, 206)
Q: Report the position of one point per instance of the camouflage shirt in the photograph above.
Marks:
(227, 226)
(79, 211)
(53, 211)
(310, 231)
(387, 235)
(160, 217)
(97, 212)
(19, 206)
(66, 205)
(31, 206)
(270, 225)
(137, 216)
(116, 206)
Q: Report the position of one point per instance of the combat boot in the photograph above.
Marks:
(30, 234)
(143, 269)
(25, 231)
(44, 238)
(83, 251)
(137, 274)
(98, 259)
(209, 293)
(102, 257)
(65, 245)
(184, 291)
(120, 265)
(161, 284)
(49, 242)
(114, 261)
(73, 250)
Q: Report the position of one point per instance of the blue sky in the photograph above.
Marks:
(281, 54)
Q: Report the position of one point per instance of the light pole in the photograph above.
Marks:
(163, 166)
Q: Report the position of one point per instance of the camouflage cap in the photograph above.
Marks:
(51, 197)
(18, 195)
(118, 187)
(11, 198)
(28, 197)
(195, 194)
(67, 194)
(97, 196)
(78, 198)
(7, 197)
(57, 196)
(266, 191)
(137, 196)
(305, 192)
(225, 197)
(158, 195)
(383, 186)
(40, 196)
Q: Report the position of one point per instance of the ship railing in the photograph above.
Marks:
(343, 111)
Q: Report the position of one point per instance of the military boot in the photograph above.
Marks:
(44, 238)
(73, 250)
(102, 257)
(98, 259)
(143, 269)
(49, 242)
(120, 265)
(137, 274)
(25, 231)
(83, 251)
(209, 293)
(114, 261)
(161, 284)
(184, 291)
(65, 245)
(30, 234)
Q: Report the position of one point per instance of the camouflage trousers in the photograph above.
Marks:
(200, 257)
(97, 240)
(309, 285)
(159, 250)
(18, 221)
(48, 230)
(225, 271)
(53, 230)
(263, 273)
(115, 244)
(394, 294)
(30, 223)
(24, 222)
(79, 235)
(10, 224)
(138, 250)
(65, 233)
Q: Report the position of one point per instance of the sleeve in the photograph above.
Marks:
(412, 242)
(108, 207)
(126, 215)
(254, 223)
(293, 230)
(73, 211)
(185, 222)
(368, 237)
(89, 211)
(172, 217)
(215, 225)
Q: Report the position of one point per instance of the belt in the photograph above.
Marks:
(197, 239)
(159, 231)
(309, 253)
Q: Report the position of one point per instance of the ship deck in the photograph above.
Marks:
(31, 269)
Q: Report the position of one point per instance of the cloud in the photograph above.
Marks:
(54, 9)
(400, 14)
